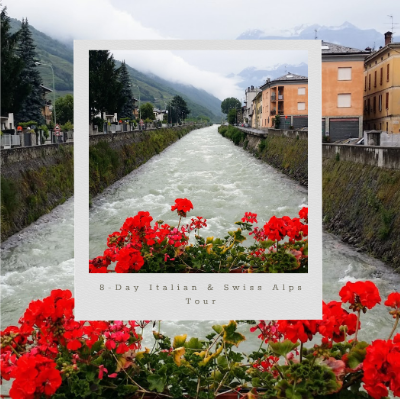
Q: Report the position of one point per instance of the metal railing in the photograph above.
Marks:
(9, 140)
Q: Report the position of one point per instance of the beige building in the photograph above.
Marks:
(382, 88)
(256, 117)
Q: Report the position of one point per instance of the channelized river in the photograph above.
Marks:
(223, 182)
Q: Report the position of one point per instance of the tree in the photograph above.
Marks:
(177, 110)
(31, 106)
(105, 87)
(127, 107)
(65, 109)
(13, 89)
(232, 116)
(147, 111)
(230, 103)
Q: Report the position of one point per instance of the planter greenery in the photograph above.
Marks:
(51, 355)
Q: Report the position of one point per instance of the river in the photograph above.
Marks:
(223, 181)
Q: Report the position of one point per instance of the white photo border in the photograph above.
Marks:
(92, 303)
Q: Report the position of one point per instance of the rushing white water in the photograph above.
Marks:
(223, 182)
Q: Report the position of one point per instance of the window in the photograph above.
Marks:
(375, 79)
(301, 106)
(369, 106)
(344, 73)
(387, 72)
(374, 106)
(369, 82)
(381, 76)
(301, 91)
(344, 100)
(387, 126)
(380, 102)
(365, 84)
(387, 100)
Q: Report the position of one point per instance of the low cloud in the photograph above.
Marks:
(171, 67)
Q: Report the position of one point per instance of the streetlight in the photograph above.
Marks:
(54, 90)
(140, 111)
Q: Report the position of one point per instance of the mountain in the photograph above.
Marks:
(154, 90)
(252, 76)
(51, 51)
(56, 53)
(346, 34)
(199, 96)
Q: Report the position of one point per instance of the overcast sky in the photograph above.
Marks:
(207, 70)
(195, 19)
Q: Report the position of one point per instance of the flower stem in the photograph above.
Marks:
(301, 351)
(357, 326)
(394, 327)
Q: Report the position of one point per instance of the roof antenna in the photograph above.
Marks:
(392, 23)
(285, 70)
(316, 35)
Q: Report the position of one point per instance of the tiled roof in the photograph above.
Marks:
(291, 76)
(332, 48)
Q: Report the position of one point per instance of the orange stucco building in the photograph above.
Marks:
(286, 96)
(342, 91)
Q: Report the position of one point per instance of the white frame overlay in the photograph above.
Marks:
(91, 303)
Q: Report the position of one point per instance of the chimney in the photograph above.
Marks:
(252, 87)
(368, 49)
(388, 38)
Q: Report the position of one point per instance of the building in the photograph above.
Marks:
(286, 96)
(382, 88)
(256, 119)
(249, 93)
(342, 91)
(159, 114)
(7, 123)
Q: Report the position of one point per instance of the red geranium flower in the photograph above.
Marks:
(393, 301)
(334, 319)
(361, 295)
(298, 330)
(182, 206)
(250, 217)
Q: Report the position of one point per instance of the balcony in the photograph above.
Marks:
(280, 112)
(273, 112)
(280, 97)
(273, 98)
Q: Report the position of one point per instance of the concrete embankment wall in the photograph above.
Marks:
(361, 198)
(361, 187)
(34, 180)
(384, 157)
(113, 156)
(285, 150)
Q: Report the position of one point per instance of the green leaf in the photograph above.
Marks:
(156, 382)
(357, 354)
(217, 328)
(238, 236)
(179, 341)
(292, 394)
(230, 335)
(283, 348)
(222, 362)
(90, 376)
(194, 343)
